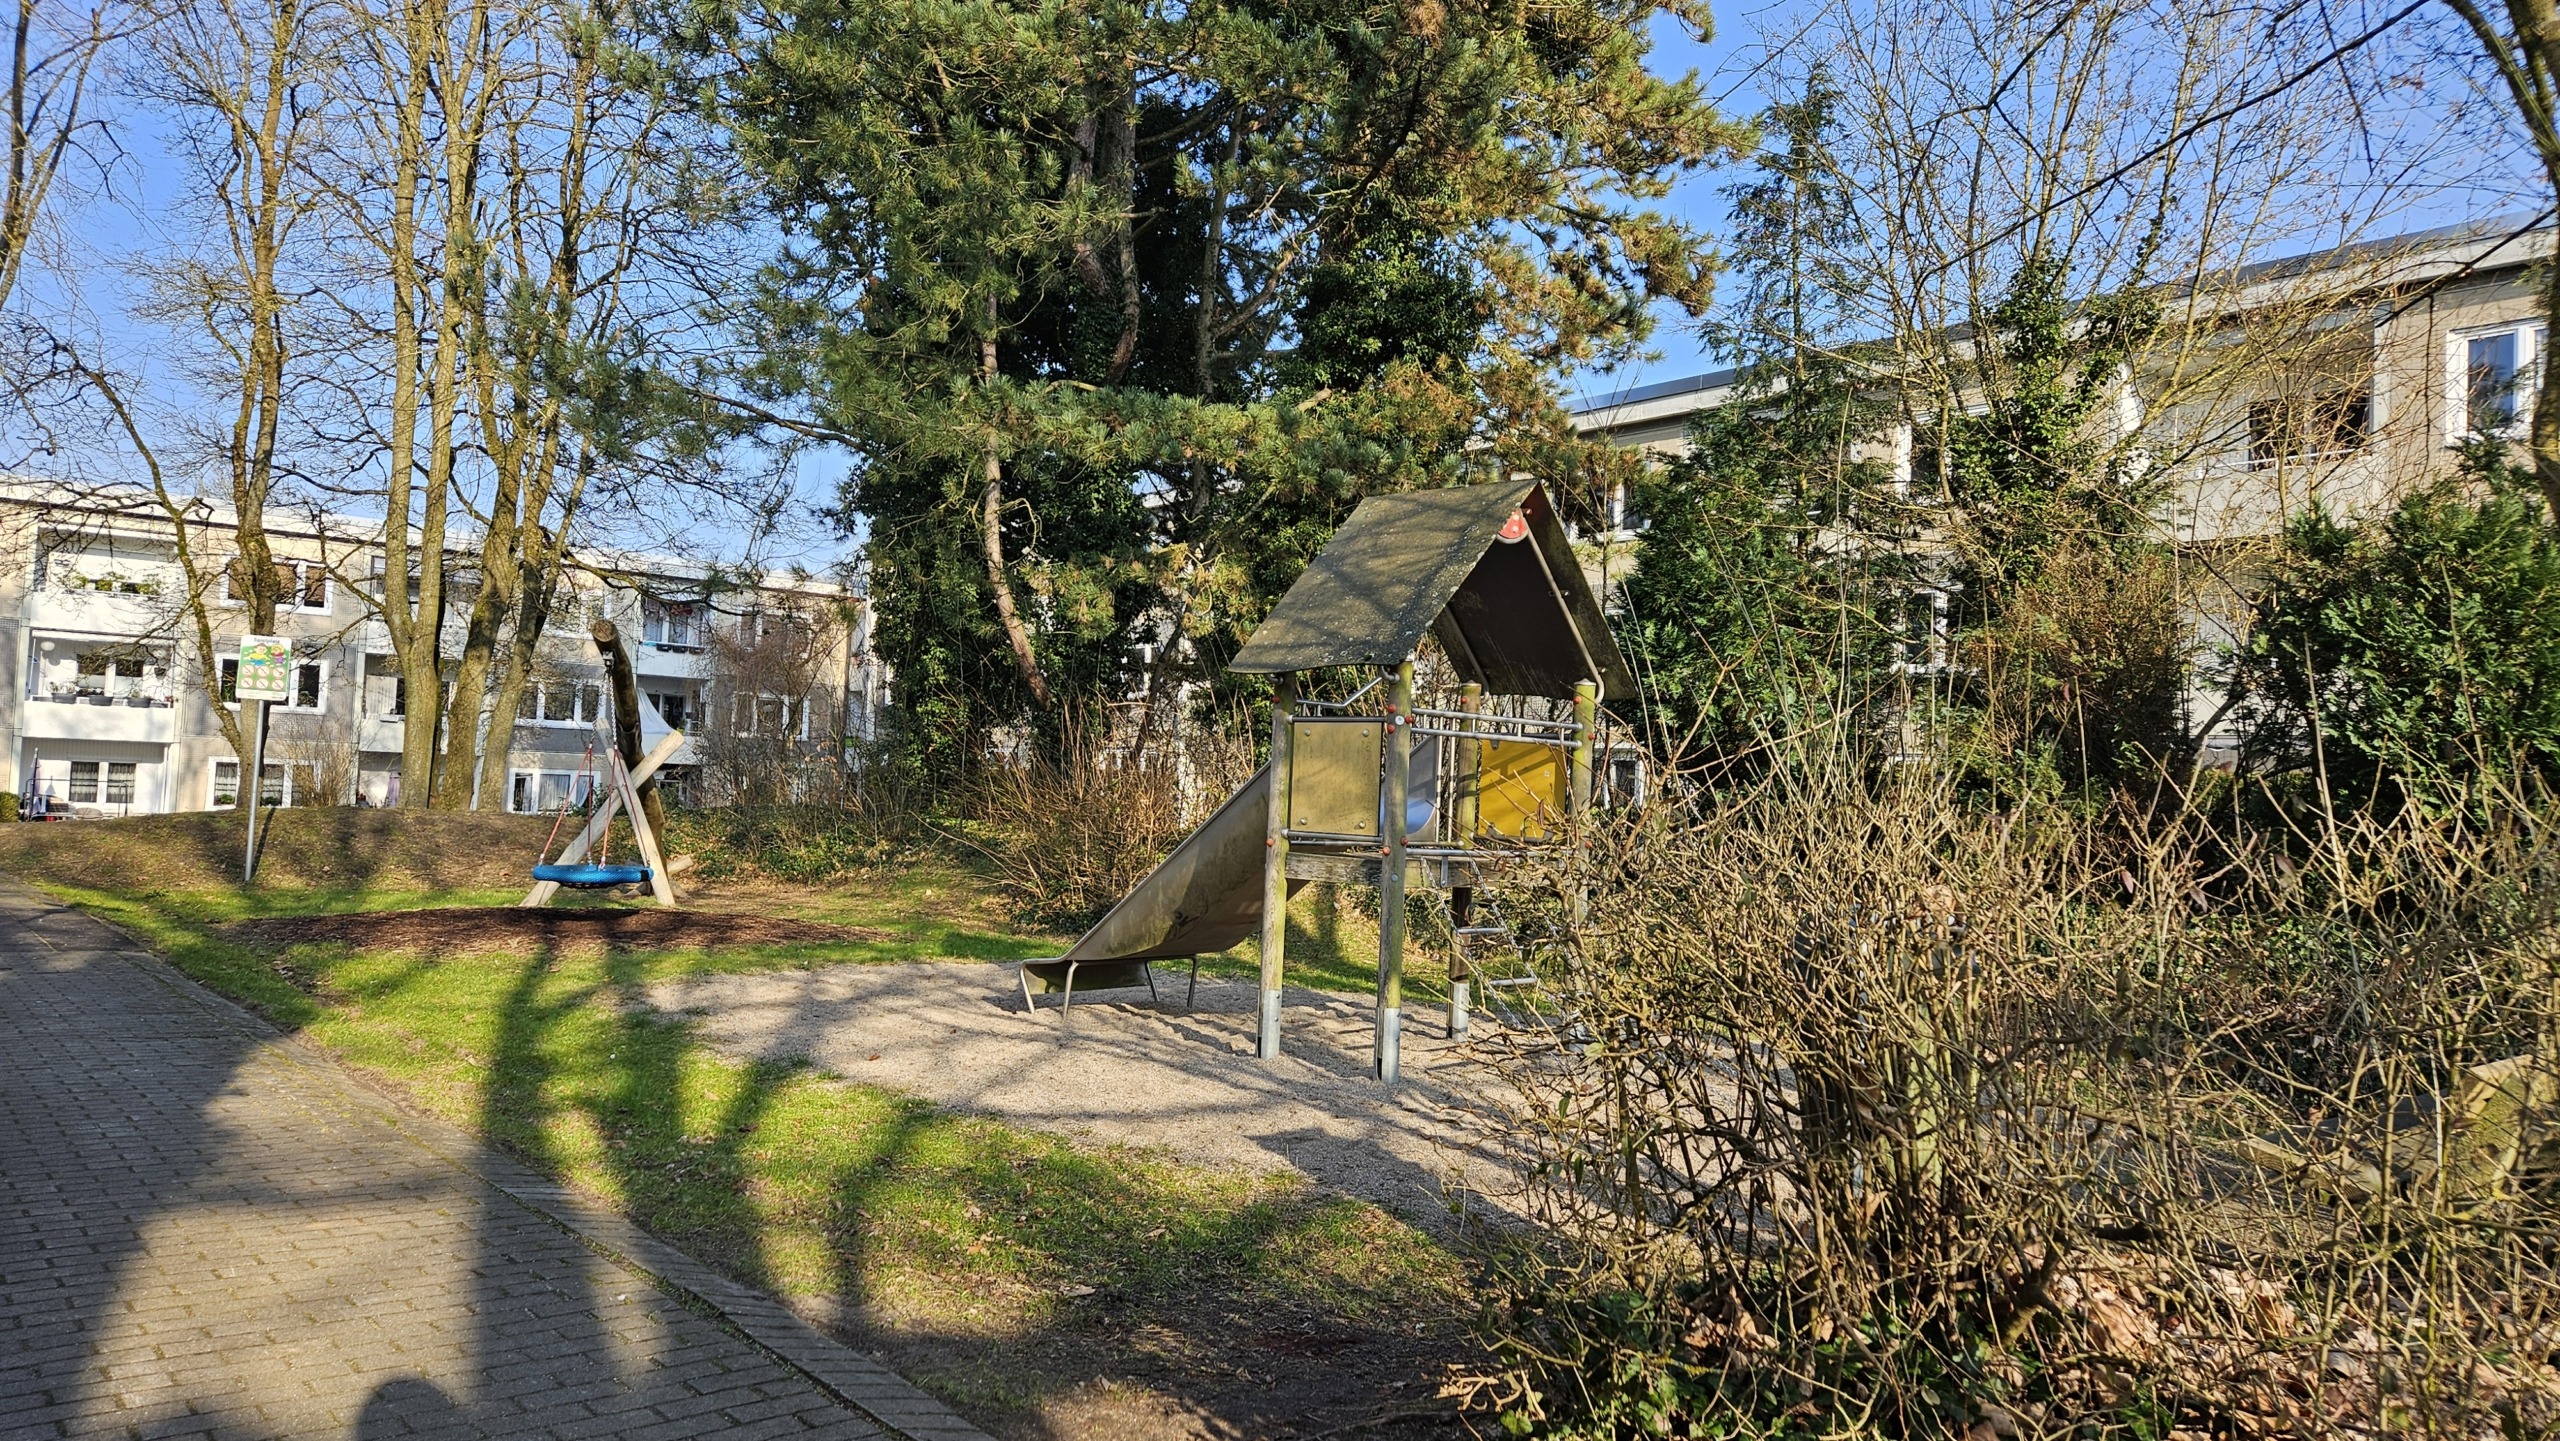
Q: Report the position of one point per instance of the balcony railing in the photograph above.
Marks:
(140, 717)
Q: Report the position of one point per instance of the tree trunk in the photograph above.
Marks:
(990, 514)
(626, 719)
(415, 624)
(2546, 399)
(464, 88)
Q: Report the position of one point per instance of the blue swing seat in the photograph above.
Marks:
(590, 877)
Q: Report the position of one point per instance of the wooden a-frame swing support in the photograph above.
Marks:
(624, 797)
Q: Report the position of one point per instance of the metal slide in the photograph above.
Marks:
(1206, 896)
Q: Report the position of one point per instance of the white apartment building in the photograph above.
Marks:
(105, 711)
(2346, 378)
(2391, 353)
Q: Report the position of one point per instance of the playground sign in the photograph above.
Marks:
(266, 668)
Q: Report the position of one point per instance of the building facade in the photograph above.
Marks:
(2363, 371)
(2346, 379)
(106, 709)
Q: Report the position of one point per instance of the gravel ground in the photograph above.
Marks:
(508, 930)
(1133, 1071)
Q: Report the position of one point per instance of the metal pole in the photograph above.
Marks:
(1462, 899)
(253, 786)
(1391, 875)
(1275, 869)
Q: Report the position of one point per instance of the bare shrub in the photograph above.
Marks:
(323, 765)
(1069, 835)
(1873, 1115)
(861, 826)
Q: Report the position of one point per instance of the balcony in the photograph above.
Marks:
(381, 733)
(94, 612)
(685, 662)
(132, 719)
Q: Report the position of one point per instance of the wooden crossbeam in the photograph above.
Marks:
(625, 784)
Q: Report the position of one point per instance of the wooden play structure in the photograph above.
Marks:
(627, 792)
(578, 869)
(1367, 789)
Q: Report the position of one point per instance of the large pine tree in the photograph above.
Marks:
(1123, 305)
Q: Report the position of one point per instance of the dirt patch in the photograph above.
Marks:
(1198, 1369)
(1177, 1073)
(506, 930)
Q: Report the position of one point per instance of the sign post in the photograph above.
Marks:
(264, 677)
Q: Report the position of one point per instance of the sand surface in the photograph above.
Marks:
(1121, 1068)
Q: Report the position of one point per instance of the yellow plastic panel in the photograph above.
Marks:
(1521, 789)
(1333, 777)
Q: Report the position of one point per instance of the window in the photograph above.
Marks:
(567, 703)
(1926, 472)
(120, 783)
(540, 792)
(301, 585)
(772, 717)
(1924, 631)
(2495, 373)
(277, 789)
(676, 625)
(84, 783)
(2336, 422)
(787, 629)
(309, 685)
(103, 672)
(671, 707)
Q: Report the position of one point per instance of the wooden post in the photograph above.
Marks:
(1275, 869)
(1586, 724)
(1391, 876)
(626, 716)
(1462, 899)
(645, 834)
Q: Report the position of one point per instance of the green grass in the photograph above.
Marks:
(927, 910)
(918, 1221)
(1333, 946)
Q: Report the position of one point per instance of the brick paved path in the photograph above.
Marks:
(206, 1230)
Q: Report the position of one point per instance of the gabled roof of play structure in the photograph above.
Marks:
(1515, 614)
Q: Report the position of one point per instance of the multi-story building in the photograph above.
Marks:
(2345, 378)
(2368, 366)
(105, 709)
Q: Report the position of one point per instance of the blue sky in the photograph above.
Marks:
(112, 230)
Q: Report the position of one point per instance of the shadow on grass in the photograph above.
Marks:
(1027, 1279)
(1004, 1270)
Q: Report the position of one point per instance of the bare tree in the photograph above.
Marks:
(769, 731)
(2523, 46)
(54, 57)
(243, 81)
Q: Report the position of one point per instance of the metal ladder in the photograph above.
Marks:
(1503, 974)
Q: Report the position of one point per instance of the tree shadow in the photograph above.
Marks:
(75, 1117)
(408, 1406)
(1199, 1336)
